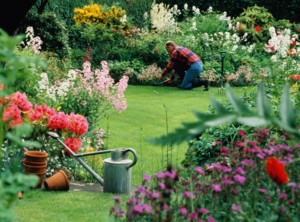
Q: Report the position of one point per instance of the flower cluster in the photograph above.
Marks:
(95, 14)
(32, 42)
(253, 171)
(150, 74)
(282, 44)
(17, 109)
(162, 18)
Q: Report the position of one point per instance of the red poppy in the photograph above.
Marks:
(276, 171)
(257, 28)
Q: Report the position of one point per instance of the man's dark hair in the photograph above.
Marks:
(168, 43)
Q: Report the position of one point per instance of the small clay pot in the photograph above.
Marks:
(35, 156)
(39, 169)
(25, 161)
(58, 181)
(41, 178)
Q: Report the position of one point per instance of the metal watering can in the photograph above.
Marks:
(117, 168)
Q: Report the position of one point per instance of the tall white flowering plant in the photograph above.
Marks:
(162, 18)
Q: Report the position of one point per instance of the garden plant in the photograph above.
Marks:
(88, 70)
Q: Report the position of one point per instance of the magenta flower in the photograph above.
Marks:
(240, 179)
(204, 211)
(210, 219)
(193, 216)
(155, 195)
(147, 208)
(117, 199)
(199, 170)
(162, 186)
(137, 209)
(235, 208)
(264, 191)
(165, 207)
(188, 195)
(183, 211)
(146, 178)
(283, 196)
(216, 187)
(240, 170)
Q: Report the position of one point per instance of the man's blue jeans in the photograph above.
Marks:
(193, 72)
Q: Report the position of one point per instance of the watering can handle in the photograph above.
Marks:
(134, 157)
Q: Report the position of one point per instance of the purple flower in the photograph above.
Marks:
(226, 180)
(247, 162)
(204, 211)
(193, 216)
(188, 195)
(283, 196)
(199, 170)
(216, 187)
(261, 155)
(235, 208)
(147, 208)
(137, 209)
(141, 189)
(120, 213)
(146, 178)
(162, 186)
(155, 195)
(210, 219)
(226, 169)
(264, 191)
(292, 184)
(240, 170)
(160, 175)
(183, 211)
(171, 174)
(117, 199)
(165, 207)
(239, 178)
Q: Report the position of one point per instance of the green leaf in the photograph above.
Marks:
(263, 105)
(220, 120)
(253, 121)
(218, 106)
(287, 111)
(237, 104)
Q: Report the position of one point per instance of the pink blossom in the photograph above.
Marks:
(239, 178)
(77, 124)
(199, 170)
(12, 114)
(210, 219)
(59, 121)
(193, 216)
(146, 178)
(188, 195)
(235, 208)
(216, 187)
(20, 99)
(73, 143)
(183, 211)
(204, 211)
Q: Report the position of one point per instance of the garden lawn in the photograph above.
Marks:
(151, 110)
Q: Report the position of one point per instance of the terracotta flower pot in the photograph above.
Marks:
(35, 156)
(38, 169)
(25, 161)
(41, 178)
(58, 181)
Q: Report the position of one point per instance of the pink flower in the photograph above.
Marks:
(204, 211)
(20, 99)
(257, 28)
(199, 170)
(12, 114)
(59, 121)
(235, 208)
(73, 143)
(188, 195)
(183, 211)
(216, 187)
(146, 178)
(77, 124)
(193, 216)
(147, 208)
(239, 178)
(210, 219)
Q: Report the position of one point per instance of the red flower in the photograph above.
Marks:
(276, 171)
(257, 28)
(73, 143)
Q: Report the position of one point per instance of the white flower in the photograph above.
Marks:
(210, 9)
(123, 19)
(162, 18)
(185, 6)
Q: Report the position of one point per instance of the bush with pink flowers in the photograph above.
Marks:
(257, 179)
(71, 127)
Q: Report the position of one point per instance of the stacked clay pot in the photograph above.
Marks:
(35, 162)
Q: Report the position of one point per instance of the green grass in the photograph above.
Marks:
(144, 118)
